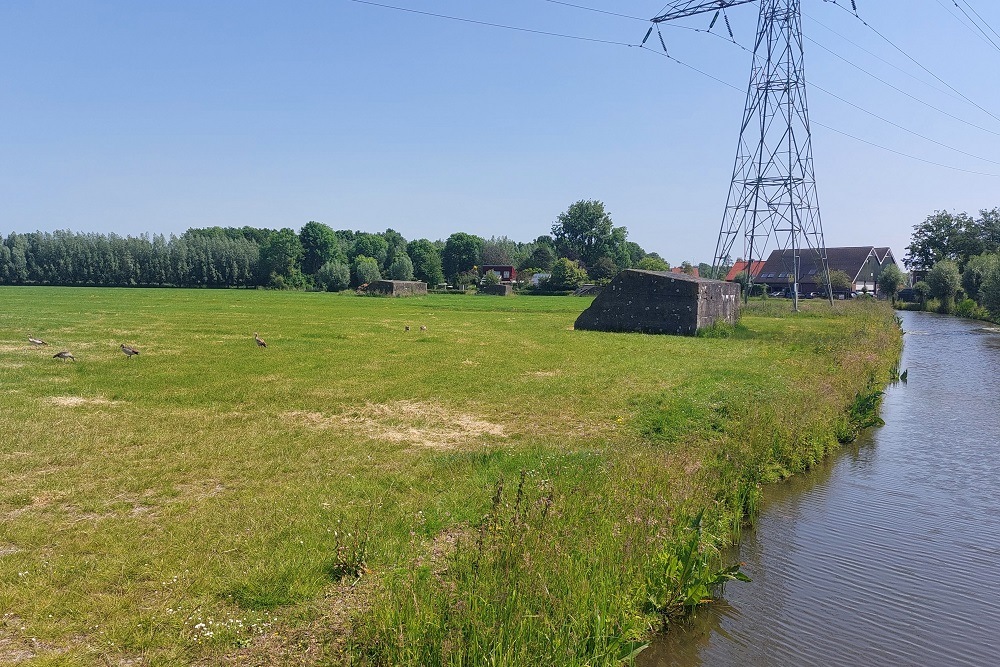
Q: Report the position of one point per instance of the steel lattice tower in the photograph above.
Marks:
(772, 197)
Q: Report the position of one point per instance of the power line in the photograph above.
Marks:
(978, 27)
(881, 59)
(912, 59)
(493, 25)
(975, 29)
(598, 11)
(828, 127)
(985, 22)
(901, 91)
(691, 67)
(904, 129)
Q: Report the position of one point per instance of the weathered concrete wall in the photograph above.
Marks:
(397, 288)
(496, 290)
(662, 303)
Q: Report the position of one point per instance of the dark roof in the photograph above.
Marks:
(850, 260)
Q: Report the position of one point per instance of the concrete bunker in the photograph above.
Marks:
(660, 302)
(397, 288)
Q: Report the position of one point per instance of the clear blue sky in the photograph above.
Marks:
(135, 117)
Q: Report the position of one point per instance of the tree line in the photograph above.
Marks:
(584, 246)
(957, 257)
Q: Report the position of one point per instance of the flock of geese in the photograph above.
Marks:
(130, 351)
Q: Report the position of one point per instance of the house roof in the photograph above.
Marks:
(849, 259)
(741, 265)
(694, 271)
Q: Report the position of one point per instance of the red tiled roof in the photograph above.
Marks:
(741, 265)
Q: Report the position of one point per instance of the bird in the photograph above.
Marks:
(36, 341)
(129, 352)
(260, 341)
(406, 328)
(423, 327)
(64, 355)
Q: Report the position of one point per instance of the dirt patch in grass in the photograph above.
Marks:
(544, 374)
(76, 401)
(319, 640)
(6, 549)
(422, 424)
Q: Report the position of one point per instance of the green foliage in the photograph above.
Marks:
(650, 263)
(944, 281)
(686, 573)
(319, 246)
(602, 270)
(566, 275)
(541, 258)
(841, 282)
(281, 254)
(364, 270)
(426, 260)
(491, 278)
(969, 308)
(462, 252)
(956, 237)
(890, 281)
(334, 276)
(401, 268)
(977, 269)
(370, 245)
(989, 294)
(922, 290)
(585, 232)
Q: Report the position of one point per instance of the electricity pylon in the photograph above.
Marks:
(772, 195)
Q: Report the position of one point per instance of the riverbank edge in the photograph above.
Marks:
(680, 566)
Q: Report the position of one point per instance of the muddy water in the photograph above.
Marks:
(890, 553)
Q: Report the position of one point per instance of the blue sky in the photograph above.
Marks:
(154, 117)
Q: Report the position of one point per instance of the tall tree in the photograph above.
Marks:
(281, 254)
(426, 261)
(585, 232)
(461, 253)
(319, 246)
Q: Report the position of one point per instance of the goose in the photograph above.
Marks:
(406, 328)
(36, 341)
(64, 355)
(259, 340)
(423, 327)
(129, 352)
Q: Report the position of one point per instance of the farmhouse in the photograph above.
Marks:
(507, 273)
(862, 263)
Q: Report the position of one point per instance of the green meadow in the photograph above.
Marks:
(494, 489)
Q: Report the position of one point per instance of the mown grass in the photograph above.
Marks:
(498, 489)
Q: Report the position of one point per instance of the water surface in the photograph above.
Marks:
(889, 554)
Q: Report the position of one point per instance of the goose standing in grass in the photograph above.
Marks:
(129, 352)
(37, 342)
(259, 340)
(423, 327)
(64, 355)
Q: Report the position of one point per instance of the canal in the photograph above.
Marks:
(888, 554)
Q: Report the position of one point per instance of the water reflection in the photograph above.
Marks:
(888, 553)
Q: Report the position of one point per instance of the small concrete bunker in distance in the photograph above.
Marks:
(397, 288)
(658, 302)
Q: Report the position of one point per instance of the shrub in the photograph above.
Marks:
(652, 264)
(566, 275)
(365, 270)
(401, 268)
(989, 293)
(944, 281)
(977, 270)
(333, 276)
(491, 278)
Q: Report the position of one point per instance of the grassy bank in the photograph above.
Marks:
(496, 489)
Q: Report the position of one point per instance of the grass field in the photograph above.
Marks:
(496, 489)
